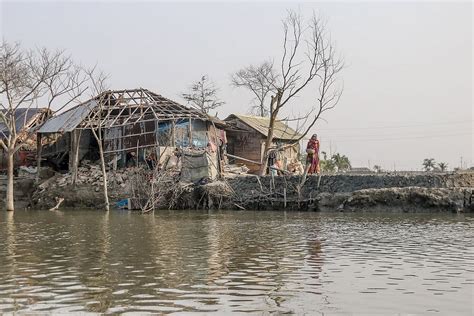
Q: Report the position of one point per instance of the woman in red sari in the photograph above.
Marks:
(312, 159)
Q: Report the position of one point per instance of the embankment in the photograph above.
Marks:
(397, 191)
(338, 192)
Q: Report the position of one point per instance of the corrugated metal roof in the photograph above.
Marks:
(20, 114)
(69, 120)
(20, 121)
(260, 124)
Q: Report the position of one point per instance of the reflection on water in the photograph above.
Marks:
(247, 262)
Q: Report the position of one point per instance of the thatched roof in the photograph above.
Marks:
(260, 124)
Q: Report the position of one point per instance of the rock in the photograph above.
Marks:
(331, 201)
(406, 199)
(119, 179)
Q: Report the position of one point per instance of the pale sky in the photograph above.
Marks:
(408, 81)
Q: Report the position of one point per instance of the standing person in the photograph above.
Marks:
(272, 158)
(312, 159)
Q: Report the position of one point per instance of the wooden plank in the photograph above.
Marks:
(243, 159)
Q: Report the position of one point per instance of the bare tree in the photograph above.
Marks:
(308, 57)
(203, 95)
(260, 80)
(29, 77)
(95, 122)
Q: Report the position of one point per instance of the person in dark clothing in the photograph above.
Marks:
(131, 159)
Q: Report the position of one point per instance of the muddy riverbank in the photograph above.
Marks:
(340, 192)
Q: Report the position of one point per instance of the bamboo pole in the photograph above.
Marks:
(244, 159)
(39, 149)
(138, 142)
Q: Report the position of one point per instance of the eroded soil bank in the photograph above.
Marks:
(340, 192)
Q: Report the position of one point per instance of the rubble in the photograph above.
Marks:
(236, 169)
(87, 189)
(91, 175)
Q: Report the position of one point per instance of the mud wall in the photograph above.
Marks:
(445, 191)
(349, 183)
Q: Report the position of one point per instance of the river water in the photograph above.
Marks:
(236, 262)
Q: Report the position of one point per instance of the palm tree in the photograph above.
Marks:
(341, 161)
(429, 164)
(377, 168)
(443, 166)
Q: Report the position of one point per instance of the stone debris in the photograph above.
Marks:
(236, 169)
(91, 175)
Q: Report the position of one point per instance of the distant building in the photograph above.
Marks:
(27, 120)
(246, 137)
(360, 170)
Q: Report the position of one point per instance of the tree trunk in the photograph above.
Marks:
(10, 200)
(271, 127)
(76, 136)
(98, 138)
(39, 150)
(268, 143)
(104, 175)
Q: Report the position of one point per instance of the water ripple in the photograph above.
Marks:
(235, 262)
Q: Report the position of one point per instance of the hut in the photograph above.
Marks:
(27, 121)
(246, 136)
(136, 126)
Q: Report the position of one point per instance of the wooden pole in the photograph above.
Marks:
(75, 161)
(39, 150)
(153, 196)
(173, 133)
(72, 155)
(272, 183)
(138, 142)
(244, 159)
(190, 132)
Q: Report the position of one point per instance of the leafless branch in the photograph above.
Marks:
(260, 81)
(203, 95)
(308, 56)
(29, 78)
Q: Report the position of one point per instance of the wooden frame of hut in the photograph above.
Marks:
(246, 136)
(137, 121)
